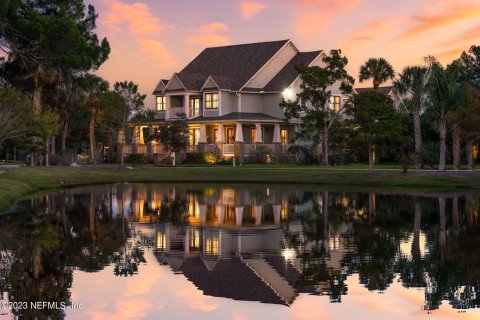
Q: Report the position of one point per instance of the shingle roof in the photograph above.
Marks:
(232, 65)
(246, 116)
(385, 90)
(288, 73)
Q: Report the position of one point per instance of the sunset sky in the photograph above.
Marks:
(151, 39)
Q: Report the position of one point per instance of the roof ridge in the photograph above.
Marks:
(249, 43)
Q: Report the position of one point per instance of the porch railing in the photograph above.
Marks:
(228, 149)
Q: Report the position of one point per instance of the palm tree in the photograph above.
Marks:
(411, 87)
(446, 94)
(378, 69)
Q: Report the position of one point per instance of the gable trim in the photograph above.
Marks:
(175, 75)
(269, 60)
(206, 81)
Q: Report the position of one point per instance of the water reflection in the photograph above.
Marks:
(253, 244)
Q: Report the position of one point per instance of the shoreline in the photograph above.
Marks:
(19, 182)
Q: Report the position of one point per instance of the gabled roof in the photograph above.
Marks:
(288, 74)
(385, 90)
(160, 86)
(232, 65)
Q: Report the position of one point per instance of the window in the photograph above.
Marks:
(193, 137)
(194, 107)
(284, 136)
(211, 100)
(161, 103)
(230, 136)
(335, 103)
(211, 246)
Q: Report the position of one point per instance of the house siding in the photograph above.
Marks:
(271, 104)
(273, 67)
(229, 103)
(252, 102)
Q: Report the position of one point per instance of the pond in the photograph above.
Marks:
(178, 251)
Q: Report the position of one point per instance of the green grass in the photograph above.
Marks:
(15, 183)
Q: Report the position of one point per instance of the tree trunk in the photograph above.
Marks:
(53, 149)
(92, 139)
(442, 130)
(470, 156)
(372, 206)
(37, 263)
(325, 138)
(469, 208)
(456, 147)
(376, 84)
(416, 231)
(37, 92)
(371, 157)
(455, 212)
(64, 138)
(325, 210)
(47, 151)
(442, 237)
(417, 129)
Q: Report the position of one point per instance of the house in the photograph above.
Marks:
(386, 90)
(231, 96)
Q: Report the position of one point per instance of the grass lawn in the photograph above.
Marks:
(15, 183)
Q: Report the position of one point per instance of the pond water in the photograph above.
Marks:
(158, 251)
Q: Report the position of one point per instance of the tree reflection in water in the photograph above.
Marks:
(231, 242)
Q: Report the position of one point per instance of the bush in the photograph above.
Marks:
(342, 158)
(136, 158)
(260, 154)
(194, 157)
(210, 157)
(429, 154)
(303, 155)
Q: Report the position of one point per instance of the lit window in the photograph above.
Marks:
(161, 103)
(194, 107)
(211, 247)
(161, 241)
(284, 136)
(194, 239)
(335, 103)
(193, 137)
(211, 101)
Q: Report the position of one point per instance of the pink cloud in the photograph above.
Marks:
(426, 23)
(250, 9)
(137, 17)
(156, 50)
(209, 35)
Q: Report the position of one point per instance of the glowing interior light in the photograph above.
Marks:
(289, 94)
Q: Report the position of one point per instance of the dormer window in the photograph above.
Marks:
(335, 103)
(211, 100)
(161, 103)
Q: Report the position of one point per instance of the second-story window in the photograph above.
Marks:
(335, 103)
(211, 100)
(161, 103)
(194, 107)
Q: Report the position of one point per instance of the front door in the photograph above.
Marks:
(230, 136)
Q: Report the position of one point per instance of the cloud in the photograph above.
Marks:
(156, 50)
(468, 37)
(425, 23)
(314, 17)
(369, 31)
(137, 17)
(250, 9)
(208, 35)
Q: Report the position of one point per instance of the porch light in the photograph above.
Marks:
(289, 94)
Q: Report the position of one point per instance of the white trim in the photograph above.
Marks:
(155, 90)
(209, 77)
(268, 62)
(170, 81)
(310, 64)
(219, 103)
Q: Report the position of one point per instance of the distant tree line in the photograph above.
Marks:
(432, 116)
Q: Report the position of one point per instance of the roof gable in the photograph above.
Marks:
(160, 86)
(235, 64)
(288, 73)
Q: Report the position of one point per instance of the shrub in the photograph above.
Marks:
(136, 158)
(303, 155)
(429, 154)
(261, 154)
(342, 158)
(194, 157)
(210, 157)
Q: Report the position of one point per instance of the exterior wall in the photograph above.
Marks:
(228, 102)
(271, 104)
(251, 102)
(273, 66)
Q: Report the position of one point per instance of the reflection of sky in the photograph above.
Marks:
(157, 293)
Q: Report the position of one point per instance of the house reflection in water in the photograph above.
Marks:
(230, 242)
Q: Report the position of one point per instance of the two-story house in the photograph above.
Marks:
(231, 96)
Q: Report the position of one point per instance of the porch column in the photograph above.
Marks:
(258, 133)
(258, 214)
(238, 132)
(220, 213)
(238, 215)
(203, 133)
(277, 213)
(203, 213)
(186, 104)
(140, 135)
(276, 134)
(135, 135)
(220, 134)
